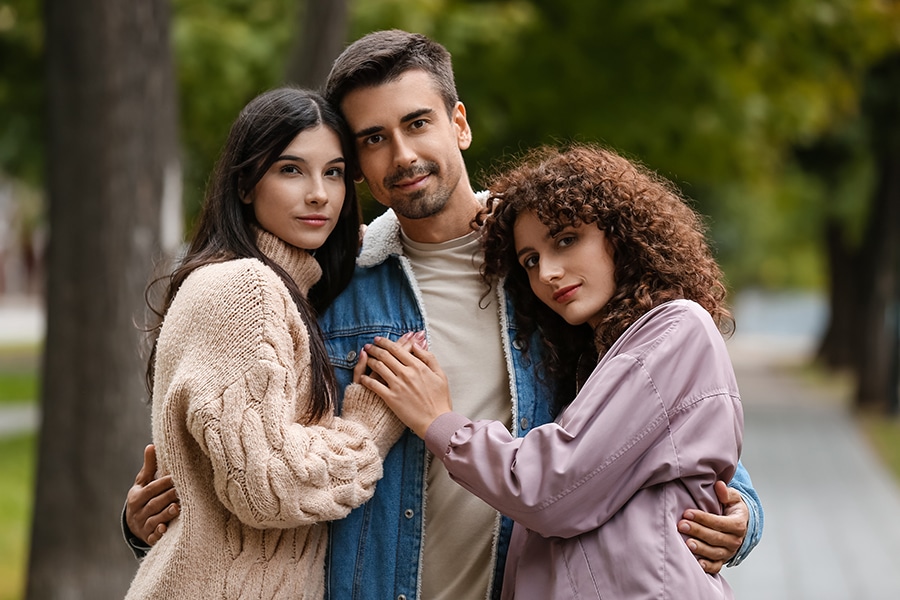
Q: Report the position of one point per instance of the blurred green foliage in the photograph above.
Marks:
(717, 95)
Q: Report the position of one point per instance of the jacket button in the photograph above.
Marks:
(408, 513)
(351, 356)
(523, 423)
(401, 597)
(518, 345)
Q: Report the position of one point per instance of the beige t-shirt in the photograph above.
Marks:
(464, 335)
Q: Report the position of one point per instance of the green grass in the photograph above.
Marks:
(19, 373)
(884, 434)
(19, 376)
(17, 464)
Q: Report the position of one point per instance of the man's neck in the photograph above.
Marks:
(452, 222)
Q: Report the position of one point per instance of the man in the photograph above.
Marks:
(419, 269)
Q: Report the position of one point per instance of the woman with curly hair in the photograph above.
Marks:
(611, 266)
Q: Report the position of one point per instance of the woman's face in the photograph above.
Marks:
(300, 197)
(572, 271)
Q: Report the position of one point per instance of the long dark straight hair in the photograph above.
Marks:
(224, 229)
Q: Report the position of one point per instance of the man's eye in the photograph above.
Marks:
(373, 139)
(418, 123)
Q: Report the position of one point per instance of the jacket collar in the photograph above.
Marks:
(382, 237)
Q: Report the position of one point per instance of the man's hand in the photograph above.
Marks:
(151, 503)
(715, 539)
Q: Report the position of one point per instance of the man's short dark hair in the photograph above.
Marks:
(383, 56)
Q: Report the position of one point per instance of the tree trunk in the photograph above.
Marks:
(881, 248)
(111, 133)
(839, 346)
(323, 27)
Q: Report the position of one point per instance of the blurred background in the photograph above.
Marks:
(779, 119)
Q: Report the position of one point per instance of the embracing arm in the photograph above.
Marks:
(541, 480)
(272, 472)
(149, 506)
(728, 538)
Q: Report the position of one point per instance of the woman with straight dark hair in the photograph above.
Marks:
(242, 390)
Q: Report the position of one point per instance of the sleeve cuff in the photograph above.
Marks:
(441, 430)
(364, 406)
(754, 532)
(138, 547)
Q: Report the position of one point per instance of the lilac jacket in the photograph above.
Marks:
(596, 495)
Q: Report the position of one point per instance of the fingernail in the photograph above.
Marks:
(420, 335)
(692, 545)
(684, 527)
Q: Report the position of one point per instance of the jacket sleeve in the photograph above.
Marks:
(542, 479)
(137, 545)
(741, 482)
(614, 439)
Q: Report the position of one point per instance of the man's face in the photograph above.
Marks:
(409, 149)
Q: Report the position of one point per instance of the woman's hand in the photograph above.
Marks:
(410, 381)
(405, 341)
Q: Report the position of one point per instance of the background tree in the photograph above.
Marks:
(111, 145)
(879, 254)
(322, 34)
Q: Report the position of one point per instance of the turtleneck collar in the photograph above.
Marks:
(298, 263)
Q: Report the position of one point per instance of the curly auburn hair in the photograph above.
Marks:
(660, 250)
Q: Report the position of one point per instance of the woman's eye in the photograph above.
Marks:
(334, 172)
(529, 261)
(566, 240)
(292, 169)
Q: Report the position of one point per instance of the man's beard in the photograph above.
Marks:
(420, 204)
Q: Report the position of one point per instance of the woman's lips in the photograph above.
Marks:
(566, 293)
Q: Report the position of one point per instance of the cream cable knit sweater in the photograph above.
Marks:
(256, 487)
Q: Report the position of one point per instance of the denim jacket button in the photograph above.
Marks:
(408, 513)
(401, 597)
(518, 345)
(351, 356)
(523, 423)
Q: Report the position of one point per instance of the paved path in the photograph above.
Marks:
(832, 511)
(18, 418)
(832, 528)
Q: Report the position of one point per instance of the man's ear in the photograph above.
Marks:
(463, 131)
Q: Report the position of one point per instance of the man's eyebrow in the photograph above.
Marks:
(369, 131)
(412, 116)
(416, 114)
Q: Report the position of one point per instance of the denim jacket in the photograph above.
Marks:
(376, 551)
